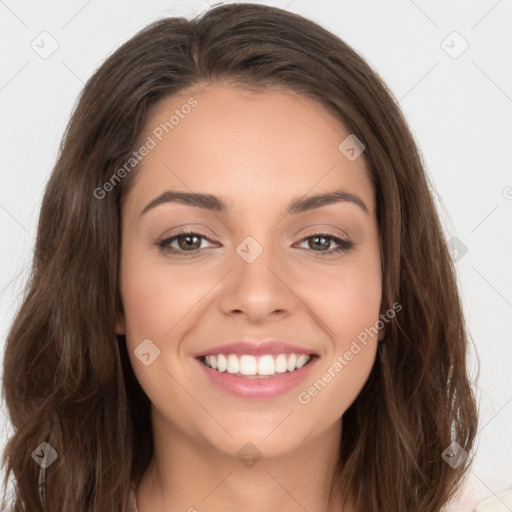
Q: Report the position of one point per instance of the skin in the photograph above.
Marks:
(257, 151)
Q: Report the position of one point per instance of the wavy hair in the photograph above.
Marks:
(67, 378)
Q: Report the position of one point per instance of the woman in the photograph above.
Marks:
(310, 350)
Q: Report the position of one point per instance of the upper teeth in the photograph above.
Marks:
(251, 365)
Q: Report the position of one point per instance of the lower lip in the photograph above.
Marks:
(259, 387)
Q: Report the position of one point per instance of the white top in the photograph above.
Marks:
(132, 501)
(499, 503)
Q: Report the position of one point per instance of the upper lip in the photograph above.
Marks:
(255, 348)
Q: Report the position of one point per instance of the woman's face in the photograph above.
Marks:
(255, 269)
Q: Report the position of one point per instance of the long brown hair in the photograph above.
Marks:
(67, 377)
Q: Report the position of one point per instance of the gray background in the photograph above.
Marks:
(458, 102)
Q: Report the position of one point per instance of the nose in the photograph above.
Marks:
(258, 288)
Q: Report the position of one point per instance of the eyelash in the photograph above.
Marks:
(343, 245)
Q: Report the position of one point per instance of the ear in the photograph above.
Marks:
(382, 334)
(120, 324)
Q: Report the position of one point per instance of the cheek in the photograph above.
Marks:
(347, 304)
(155, 297)
(354, 339)
(346, 298)
(337, 384)
(153, 303)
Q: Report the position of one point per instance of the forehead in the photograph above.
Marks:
(243, 144)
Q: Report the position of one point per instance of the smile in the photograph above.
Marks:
(256, 377)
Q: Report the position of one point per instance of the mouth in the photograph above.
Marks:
(256, 377)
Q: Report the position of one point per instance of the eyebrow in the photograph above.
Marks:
(216, 204)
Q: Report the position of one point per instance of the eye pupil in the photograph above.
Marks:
(187, 244)
(326, 243)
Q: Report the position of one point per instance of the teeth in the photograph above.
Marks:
(248, 365)
(302, 360)
(281, 363)
(222, 364)
(266, 365)
(292, 362)
(233, 366)
(251, 365)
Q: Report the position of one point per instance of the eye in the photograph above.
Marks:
(187, 241)
(324, 240)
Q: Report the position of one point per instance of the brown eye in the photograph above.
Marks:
(186, 242)
(189, 242)
(323, 242)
